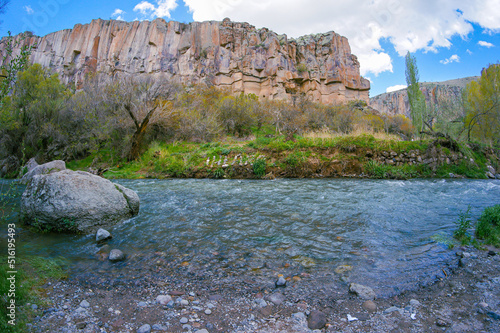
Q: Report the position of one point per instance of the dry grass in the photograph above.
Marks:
(325, 134)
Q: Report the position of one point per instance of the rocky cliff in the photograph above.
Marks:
(226, 54)
(438, 94)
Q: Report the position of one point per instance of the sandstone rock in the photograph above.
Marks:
(363, 292)
(227, 54)
(316, 320)
(43, 169)
(76, 201)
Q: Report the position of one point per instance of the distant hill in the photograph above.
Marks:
(436, 93)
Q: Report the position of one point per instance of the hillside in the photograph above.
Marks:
(441, 94)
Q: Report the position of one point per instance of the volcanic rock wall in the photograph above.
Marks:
(226, 54)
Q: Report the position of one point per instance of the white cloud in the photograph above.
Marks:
(453, 58)
(485, 44)
(408, 25)
(118, 14)
(469, 52)
(29, 10)
(162, 8)
(396, 88)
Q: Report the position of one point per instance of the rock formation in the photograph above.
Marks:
(76, 201)
(226, 54)
(437, 94)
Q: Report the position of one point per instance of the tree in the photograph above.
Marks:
(482, 99)
(415, 96)
(144, 99)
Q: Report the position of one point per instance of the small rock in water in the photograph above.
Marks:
(116, 255)
(362, 291)
(102, 235)
(281, 282)
(316, 320)
(146, 328)
(163, 299)
(84, 304)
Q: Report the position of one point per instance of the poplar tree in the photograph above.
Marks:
(415, 96)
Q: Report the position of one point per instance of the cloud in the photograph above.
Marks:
(117, 14)
(485, 44)
(29, 10)
(405, 25)
(453, 58)
(469, 52)
(162, 8)
(396, 88)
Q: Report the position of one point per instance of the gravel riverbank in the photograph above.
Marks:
(183, 299)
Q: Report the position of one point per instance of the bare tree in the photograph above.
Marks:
(144, 99)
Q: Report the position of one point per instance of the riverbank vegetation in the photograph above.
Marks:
(145, 127)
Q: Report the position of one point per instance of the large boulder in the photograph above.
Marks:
(76, 201)
(43, 169)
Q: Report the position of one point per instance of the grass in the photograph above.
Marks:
(464, 224)
(488, 226)
(32, 274)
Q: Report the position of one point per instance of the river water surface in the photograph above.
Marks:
(387, 231)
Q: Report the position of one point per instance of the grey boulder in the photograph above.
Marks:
(42, 169)
(76, 201)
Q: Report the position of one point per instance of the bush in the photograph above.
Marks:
(464, 224)
(259, 168)
(488, 226)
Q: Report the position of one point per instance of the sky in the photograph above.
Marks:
(449, 38)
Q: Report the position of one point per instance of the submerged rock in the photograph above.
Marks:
(116, 255)
(102, 235)
(76, 201)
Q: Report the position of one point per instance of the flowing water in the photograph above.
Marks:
(387, 231)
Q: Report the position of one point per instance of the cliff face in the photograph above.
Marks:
(439, 94)
(226, 54)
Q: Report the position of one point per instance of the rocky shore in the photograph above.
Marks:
(178, 297)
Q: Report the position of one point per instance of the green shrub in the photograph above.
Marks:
(259, 167)
(488, 226)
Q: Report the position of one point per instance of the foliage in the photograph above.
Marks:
(488, 226)
(415, 96)
(301, 68)
(464, 224)
(259, 167)
(32, 273)
(482, 103)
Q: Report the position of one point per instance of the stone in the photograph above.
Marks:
(43, 169)
(203, 330)
(276, 298)
(232, 55)
(76, 201)
(490, 175)
(260, 302)
(441, 322)
(361, 291)
(146, 328)
(84, 304)
(208, 312)
(116, 255)
(81, 325)
(102, 235)
(414, 303)
(163, 299)
(184, 320)
(316, 320)
(343, 269)
(491, 169)
(369, 306)
(281, 282)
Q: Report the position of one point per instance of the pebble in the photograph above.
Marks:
(442, 322)
(276, 298)
(184, 320)
(414, 303)
(158, 327)
(84, 304)
(316, 320)
(202, 331)
(163, 299)
(260, 302)
(186, 327)
(146, 328)
(281, 282)
(363, 292)
(370, 306)
(184, 302)
(81, 325)
(208, 311)
(210, 306)
(351, 318)
(142, 304)
(34, 306)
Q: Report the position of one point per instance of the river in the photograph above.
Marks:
(389, 234)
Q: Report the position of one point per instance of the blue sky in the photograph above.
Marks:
(450, 38)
